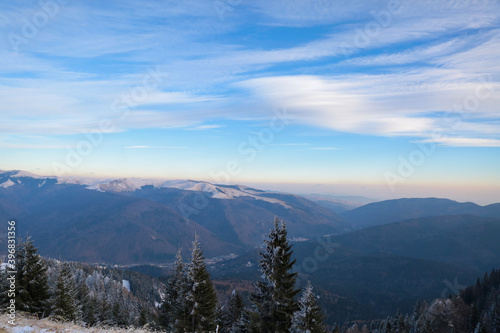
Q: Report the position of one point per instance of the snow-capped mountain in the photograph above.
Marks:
(140, 220)
(212, 190)
(133, 184)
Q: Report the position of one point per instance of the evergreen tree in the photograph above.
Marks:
(274, 302)
(66, 303)
(87, 304)
(33, 290)
(222, 321)
(201, 297)
(143, 320)
(174, 312)
(4, 290)
(237, 314)
(479, 329)
(308, 318)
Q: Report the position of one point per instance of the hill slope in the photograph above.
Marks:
(139, 221)
(390, 211)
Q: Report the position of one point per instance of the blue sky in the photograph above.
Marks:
(384, 99)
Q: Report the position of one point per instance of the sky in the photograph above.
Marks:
(383, 99)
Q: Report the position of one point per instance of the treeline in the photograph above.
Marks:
(89, 296)
(77, 292)
(475, 310)
(188, 302)
(191, 304)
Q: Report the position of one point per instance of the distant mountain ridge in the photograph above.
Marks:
(372, 271)
(390, 211)
(143, 221)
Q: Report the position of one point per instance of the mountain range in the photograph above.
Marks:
(375, 271)
(125, 221)
(365, 260)
(390, 211)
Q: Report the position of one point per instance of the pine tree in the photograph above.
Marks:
(33, 290)
(201, 297)
(222, 321)
(237, 314)
(308, 318)
(87, 304)
(143, 320)
(66, 303)
(274, 302)
(4, 290)
(479, 328)
(174, 312)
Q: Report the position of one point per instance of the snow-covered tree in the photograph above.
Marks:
(32, 289)
(66, 302)
(274, 302)
(201, 297)
(308, 318)
(237, 314)
(4, 290)
(173, 311)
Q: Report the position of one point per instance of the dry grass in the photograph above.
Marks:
(31, 325)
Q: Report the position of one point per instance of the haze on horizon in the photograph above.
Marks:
(382, 99)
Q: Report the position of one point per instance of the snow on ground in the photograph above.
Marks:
(29, 175)
(30, 325)
(7, 183)
(126, 284)
(133, 184)
(216, 192)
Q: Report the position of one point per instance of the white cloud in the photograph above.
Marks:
(397, 104)
(204, 127)
(464, 142)
(153, 147)
(70, 90)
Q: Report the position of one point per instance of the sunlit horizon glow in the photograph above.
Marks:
(382, 99)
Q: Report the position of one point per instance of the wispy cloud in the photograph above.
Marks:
(464, 142)
(204, 127)
(427, 58)
(153, 147)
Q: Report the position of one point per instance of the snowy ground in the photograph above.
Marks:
(28, 325)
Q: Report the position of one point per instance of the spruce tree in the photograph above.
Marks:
(201, 297)
(66, 303)
(237, 314)
(33, 290)
(174, 312)
(222, 320)
(274, 302)
(4, 290)
(308, 318)
(87, 304)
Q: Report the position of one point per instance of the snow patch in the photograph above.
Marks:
(19, 329)
(126, 284)
(220, 192)
(132, 184)
(8, 183)
(21, 174)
